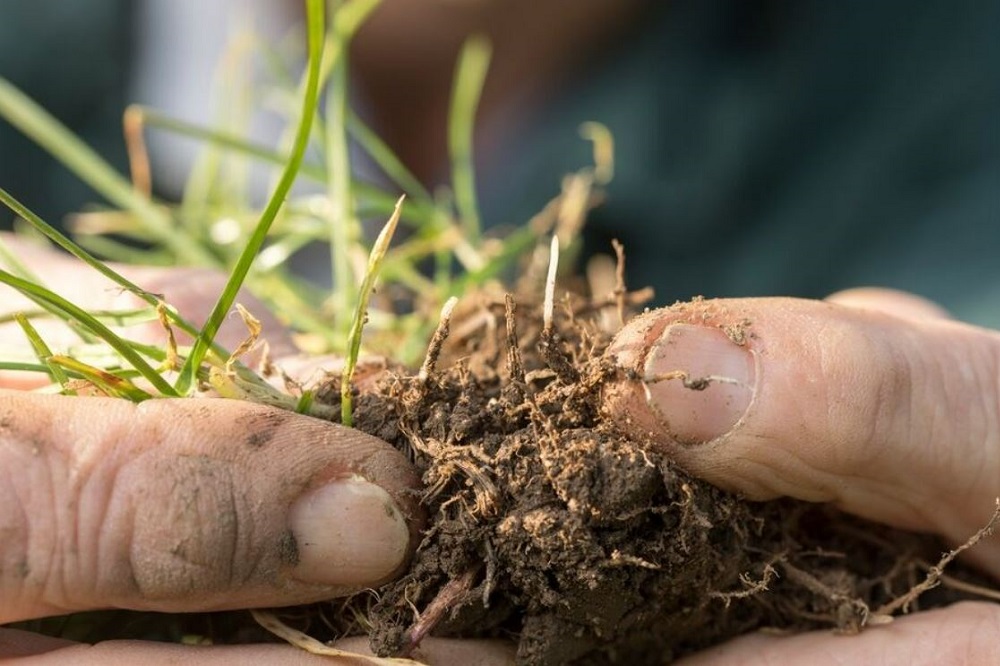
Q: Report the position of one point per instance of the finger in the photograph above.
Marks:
(961, 635)
(22, 648)
(193, 291)
(35, 650)
(890, 301)
(447, 652)
(178, 505)
(892, 419)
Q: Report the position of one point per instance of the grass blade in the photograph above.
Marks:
(23, 366)
(344, 232)
(379, 249)
(68, 310)
(344, 229)
(470, 75)
(315, 22)
(43, 353)
(224, 139)
(111, 384)
(370, 199)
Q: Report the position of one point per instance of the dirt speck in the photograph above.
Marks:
(288, 549)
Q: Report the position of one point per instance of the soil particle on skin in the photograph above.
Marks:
(551, 528)
(288, 549)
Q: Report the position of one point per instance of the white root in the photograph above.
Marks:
(550, 284)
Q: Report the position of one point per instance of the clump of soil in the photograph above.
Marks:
(551, 528)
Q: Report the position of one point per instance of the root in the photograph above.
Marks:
(548, 348)
(449, 595)
(517, 376)
(437, 341)
(689, 382)
(850, 614)
(934, 574)
(633, 300)
(548, 345)
(550, 285)
(751, 587)
(619, 293)
(969, 588)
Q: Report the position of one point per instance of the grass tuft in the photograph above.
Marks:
(217, 224)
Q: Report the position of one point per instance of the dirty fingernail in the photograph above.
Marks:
(699, 382)
(348, 532)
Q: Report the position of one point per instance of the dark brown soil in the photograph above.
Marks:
(552, 529)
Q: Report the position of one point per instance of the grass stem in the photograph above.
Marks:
(470, 75)
(202, 344)
(379, 249)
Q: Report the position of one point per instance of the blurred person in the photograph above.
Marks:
(764, 147)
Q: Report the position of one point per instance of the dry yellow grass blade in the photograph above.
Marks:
(313, 646)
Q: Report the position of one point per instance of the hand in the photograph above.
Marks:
(872, 400)
(186, 505)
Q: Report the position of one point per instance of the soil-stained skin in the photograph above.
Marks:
(551, 527)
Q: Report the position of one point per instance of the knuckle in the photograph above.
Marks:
(44, 550)
(16, 571)
(186, 538)
(32, 506)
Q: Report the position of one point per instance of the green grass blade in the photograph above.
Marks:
(305, 402)
(123, 253)
(352, 15)
(223, 139)
(22, 366)
(119, 318)
(344, 225)
(74, 326)
(470, 75)
(202, 344)
(43, 353)
(344, 229)
(370, 199)
(65, 243)
(70, 311)
(41, 127)
(375, 258)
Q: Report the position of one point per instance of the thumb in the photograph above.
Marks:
(181, 505)
(893, 419)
